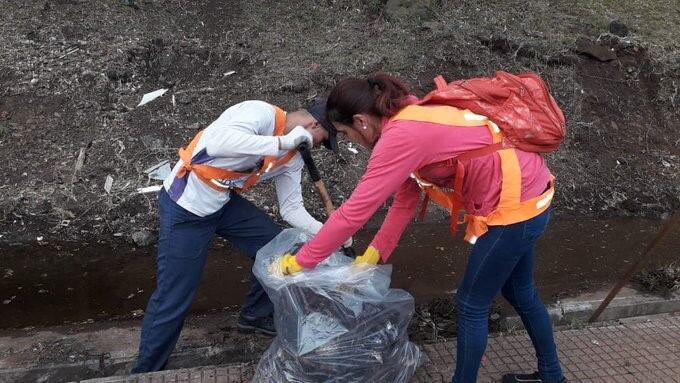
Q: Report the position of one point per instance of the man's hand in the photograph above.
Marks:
(294, 138)
(371, 257)
(289, 265)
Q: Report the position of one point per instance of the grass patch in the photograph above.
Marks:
(4, 130)
(663, 280)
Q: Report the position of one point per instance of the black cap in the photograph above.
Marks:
(318, 110)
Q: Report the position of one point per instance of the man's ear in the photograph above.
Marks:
(360, 119)
(314, 124)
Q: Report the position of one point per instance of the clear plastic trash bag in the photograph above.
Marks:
(336, 323)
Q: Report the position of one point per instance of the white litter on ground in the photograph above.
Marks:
(149, 189)
(147, 98)
(160, 171)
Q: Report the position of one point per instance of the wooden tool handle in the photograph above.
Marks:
(325, 198)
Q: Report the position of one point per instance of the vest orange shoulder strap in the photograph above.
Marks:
(211, 174)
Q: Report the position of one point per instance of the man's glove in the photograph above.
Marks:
(289, 265)
(348, 243)
(371, 257)
(294, 138)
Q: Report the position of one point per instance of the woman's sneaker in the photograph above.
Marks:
(249, 325)
(526, 378)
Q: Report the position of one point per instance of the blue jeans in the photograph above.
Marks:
(182, 251)
(502, 260)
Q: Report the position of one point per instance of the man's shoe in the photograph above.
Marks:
(526, 378)
(251, 325)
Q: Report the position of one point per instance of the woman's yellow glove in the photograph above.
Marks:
(371, 257)
(289, 265)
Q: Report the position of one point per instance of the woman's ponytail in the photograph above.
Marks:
(390, 94)
(381, 95)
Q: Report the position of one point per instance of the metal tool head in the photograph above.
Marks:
(306, 153)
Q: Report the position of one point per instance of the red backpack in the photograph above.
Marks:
(521, 106)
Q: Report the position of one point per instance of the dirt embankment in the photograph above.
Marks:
(72, 72)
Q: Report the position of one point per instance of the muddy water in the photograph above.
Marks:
(62, 283)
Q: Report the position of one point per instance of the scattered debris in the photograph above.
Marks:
(79, 164)
(68, 52)
(147, 98)
(618, 28)
(149, 189)
(108, 184)
(596, 51)
(152, 142)
(143, 238)
(160, 171)
(121, 146)
(437, 320)
(8, 301)
(229, 73)
(185, 99)
(400, 10)
(352, 149)
(663, 280)
(4, 128)
(137, 313)
(80, 160)
(40, 238)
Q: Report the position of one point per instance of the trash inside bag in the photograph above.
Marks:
(336, 323)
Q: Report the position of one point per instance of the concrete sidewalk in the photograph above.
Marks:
(632, 350)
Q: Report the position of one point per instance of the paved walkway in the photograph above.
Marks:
(636, 350)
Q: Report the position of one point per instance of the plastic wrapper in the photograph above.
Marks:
(336, 323)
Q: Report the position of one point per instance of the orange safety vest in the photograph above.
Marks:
(510, 209)
(211, 174)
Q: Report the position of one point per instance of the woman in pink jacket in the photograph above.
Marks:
(408, 139)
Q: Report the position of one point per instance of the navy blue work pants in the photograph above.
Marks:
(183, 246)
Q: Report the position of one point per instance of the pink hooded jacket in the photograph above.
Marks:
(403, 147)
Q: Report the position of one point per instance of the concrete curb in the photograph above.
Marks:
(111, 351)
(70, 353)
(628, 303)
(115, 366)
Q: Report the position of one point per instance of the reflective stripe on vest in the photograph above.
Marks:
(510, 209)
(210, 175)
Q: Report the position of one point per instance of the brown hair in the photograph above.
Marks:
(381, 95)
